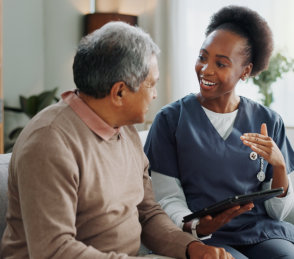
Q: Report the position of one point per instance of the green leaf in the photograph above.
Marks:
(278, 66)
(45, 99)
(15, 133)
(29, 105)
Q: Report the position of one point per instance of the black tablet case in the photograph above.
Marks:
(233, 201)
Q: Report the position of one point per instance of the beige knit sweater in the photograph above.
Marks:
(73, 194)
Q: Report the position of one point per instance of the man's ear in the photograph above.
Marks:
(117, 93)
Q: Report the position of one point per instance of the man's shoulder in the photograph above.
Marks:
(47, 123)
(58, 115)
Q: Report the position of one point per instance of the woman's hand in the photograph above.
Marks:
(208, 224)
(264, 146)
(198, 250)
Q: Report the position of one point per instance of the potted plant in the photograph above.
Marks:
(30, 106)
(278, 66)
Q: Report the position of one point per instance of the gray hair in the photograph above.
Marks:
(115, 52)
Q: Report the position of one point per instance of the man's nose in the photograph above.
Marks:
(154, 92)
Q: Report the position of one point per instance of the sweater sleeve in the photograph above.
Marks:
(48, 185)
(159, 233)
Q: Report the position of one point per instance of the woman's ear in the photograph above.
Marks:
(247, 71)
(117, 93)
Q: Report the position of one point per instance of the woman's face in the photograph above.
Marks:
(220, 65)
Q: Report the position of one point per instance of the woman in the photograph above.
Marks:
(215, 144)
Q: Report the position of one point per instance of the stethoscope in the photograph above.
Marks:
(261, 174)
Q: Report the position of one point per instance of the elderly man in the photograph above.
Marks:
(78, 182)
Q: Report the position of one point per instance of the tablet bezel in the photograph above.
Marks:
(242, 199)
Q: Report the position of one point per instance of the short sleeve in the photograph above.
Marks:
(160, 146)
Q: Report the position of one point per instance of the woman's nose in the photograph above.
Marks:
(207, 69)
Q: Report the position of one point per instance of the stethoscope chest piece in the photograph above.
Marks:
(260, 176)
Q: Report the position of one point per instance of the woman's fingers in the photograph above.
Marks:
(210, 224)
(263, 129)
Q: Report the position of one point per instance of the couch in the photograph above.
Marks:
(4, 161)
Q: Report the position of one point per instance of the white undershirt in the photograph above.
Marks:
(169, 193)
(222, 122)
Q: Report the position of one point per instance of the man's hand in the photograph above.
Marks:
(208, 224)
(198, 250)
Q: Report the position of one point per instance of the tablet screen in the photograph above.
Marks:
(233, 201)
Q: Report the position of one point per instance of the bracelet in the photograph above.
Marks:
(194, 224)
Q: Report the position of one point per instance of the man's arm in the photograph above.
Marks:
(159, 233)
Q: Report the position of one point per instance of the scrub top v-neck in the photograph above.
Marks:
(184, 144)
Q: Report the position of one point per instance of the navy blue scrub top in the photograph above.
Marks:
(182, 143)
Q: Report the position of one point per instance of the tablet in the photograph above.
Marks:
(233, 201)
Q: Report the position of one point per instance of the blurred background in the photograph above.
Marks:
(39, 40)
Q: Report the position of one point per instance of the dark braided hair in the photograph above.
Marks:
(251, 26)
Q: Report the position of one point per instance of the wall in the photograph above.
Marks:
(63, 26)
(23, 42)
(39, 41)
(23, 55)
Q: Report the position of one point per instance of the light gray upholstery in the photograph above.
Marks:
(4, 162)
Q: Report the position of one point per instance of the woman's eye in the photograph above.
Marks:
(219, 64)
(201, 58)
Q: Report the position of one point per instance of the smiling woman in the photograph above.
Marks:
(188, 20)
(198, 155)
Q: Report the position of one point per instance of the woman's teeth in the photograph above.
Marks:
(207, 83)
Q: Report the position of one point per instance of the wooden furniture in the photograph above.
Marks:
(94, 21)
(1, 87)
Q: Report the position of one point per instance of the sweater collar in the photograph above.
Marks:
(88, 116)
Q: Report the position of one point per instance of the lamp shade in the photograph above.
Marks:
(94, 21)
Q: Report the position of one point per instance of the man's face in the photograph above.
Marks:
(138, 102)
